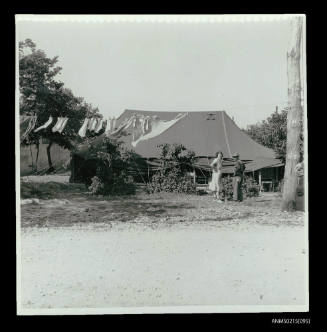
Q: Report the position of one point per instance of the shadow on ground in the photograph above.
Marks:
(61, 204)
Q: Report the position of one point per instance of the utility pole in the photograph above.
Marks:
(294, 115)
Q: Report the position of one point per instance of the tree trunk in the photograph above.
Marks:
(37, 153)
(31, 157)
(294, 116)
(72, 168)
(51, 169)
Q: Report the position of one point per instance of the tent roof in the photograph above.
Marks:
(198, 133)
(263, 163)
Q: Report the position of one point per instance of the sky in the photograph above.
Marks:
(239, 67)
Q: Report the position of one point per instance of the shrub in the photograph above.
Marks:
(111, 163)
(96, 186)
(227, 183)
(171, 183)
(250, 187)
(172, 175)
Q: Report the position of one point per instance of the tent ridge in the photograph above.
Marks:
(225, 131)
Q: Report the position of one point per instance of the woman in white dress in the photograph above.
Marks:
(217, 167)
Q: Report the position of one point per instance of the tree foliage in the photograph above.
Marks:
(272, 133)
(112, 163)
(172, 175)
(43, 95)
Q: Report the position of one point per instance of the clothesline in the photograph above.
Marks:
(93, 124)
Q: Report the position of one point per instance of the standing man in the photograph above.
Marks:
(238, 178)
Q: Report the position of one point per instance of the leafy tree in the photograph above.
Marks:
(172, 175)
(41, 94)
(272, 133)
(111, 163)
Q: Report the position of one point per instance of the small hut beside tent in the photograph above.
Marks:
(205, 133)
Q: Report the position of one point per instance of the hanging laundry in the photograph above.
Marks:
(58, 124)
(109, 124)
(113, 125)
(134, 124)
(104, 124)
(63, 125)
(107, 132)
(158, 127)
(27, 124)
(98, 126)
(142, 119)
(127, 123)
(94, 124)
(147, 123)
(46, 125)
(83, 129)
(90, 124)
(138, 129)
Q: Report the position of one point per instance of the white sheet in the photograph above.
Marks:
(158, 127)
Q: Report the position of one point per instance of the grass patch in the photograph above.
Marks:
(50, 190)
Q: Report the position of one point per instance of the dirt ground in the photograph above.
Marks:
(157, 250)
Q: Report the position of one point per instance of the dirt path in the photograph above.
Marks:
(103, 266)
(83, 251)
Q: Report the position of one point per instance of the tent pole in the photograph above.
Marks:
(148, 170)
(260, 179)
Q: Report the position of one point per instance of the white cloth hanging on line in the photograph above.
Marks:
(46, 125)
(113, 125)
(58, 124)
(94, 124)
(147, 123)
(26, 126)
(90, 124)
(63, 125)
(83, 129)
(109, 124)
(124, 125)
(142, 120)
(158, 127)
(98, 126)
(104, 124)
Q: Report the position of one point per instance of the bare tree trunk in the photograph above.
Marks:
(72, 168)
(294, 116)
(51, 169)
(37, 153)
(31, 157)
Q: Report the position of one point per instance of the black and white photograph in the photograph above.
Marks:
(161, 164)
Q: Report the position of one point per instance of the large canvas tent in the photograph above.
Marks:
(205, 133)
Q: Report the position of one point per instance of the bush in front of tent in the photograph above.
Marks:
(249, 187)
(111, 174)
(172, 176)
(227, 183)
(171, 183)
